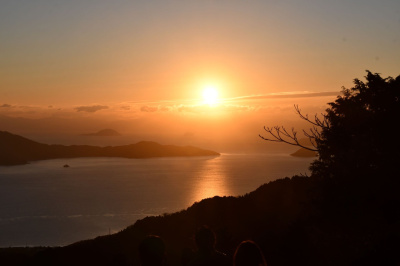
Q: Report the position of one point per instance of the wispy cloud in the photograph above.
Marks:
(219, 108)
(283, 95)
(194, 102)
(242, 104)
(159, 108)
(149, 109)
(90, 108)
(234, 104)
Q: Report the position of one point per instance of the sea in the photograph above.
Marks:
(46, 204)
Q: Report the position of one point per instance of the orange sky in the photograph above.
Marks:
(147, 62)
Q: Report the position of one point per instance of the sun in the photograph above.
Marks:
(210, 95)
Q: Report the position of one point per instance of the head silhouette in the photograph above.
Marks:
(205, 238)
(248, 254)
(152, 251)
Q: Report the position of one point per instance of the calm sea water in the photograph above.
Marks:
(43, 203)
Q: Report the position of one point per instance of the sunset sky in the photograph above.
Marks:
(143, 66)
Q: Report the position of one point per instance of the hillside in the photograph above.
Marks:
(296, 221)
(19, 150)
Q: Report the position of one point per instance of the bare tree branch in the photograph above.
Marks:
(290, 138)
(281, 134)
(316, 122)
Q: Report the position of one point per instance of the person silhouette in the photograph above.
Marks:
(248, 253)
(152, 251)
(206, 253)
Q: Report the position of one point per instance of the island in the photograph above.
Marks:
(103, 133)
(17, 150)
(302, 152)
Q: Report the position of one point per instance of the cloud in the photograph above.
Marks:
(286, 95)
(90, 108)
(197, 109)
(148, 109)
(220, 108)
(164, 108)
(5, 105)
(189, 108)
(237, 108)
(151, 109)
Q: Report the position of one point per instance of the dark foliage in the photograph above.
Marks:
(361, 137)
(357, 135)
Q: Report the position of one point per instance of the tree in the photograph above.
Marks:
(358, 134)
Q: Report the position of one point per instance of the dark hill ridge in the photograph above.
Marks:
(19, 150)
(290, 219)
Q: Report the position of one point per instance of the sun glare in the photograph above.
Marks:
(210, 95)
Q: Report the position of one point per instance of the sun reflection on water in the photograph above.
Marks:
(211, 181)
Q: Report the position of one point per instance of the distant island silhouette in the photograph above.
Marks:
(103, 133)
(19, 150)
(304, 153)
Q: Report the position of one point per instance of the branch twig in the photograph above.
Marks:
(280, 134)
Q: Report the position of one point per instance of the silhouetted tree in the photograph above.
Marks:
(358, 135)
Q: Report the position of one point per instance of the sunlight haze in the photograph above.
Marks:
(140, 66)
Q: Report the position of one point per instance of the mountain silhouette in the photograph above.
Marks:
(19, 150)
(302, 152)
(103, 133)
